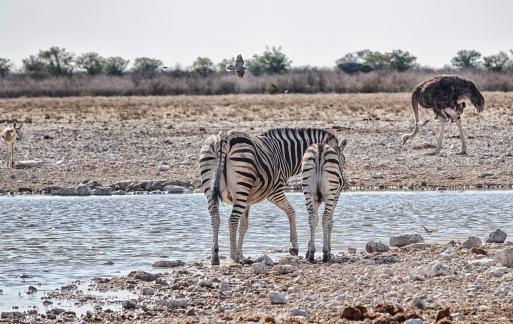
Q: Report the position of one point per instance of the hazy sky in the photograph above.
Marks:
(310, 32)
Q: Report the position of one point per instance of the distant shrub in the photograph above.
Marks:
(203, 66)
(400, 61)
(367, 60)
(496, 63)
(115, 65)
(34, 67)
(5, 67)
(58, 60)
(272, 61)
(91, 62)
(466, 59)
(147, 66)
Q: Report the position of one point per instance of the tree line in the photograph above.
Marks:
(58, 61)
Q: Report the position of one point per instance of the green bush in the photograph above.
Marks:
(496, 63)
(146, 65)
(5, 67)
(34, 67)
(58, 60)
(466, 59)
(115, 65)
(203, 66)
(272, 61)
(93, 63)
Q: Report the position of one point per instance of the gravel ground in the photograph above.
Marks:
(416, 281)
(144, 138)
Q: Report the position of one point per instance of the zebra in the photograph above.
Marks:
(242, 170)
(323, 181)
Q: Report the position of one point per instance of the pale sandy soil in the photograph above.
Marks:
(128, 138)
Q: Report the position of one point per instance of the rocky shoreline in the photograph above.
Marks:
(409, 281)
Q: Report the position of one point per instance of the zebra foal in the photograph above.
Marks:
(322, 182)
(242, 170)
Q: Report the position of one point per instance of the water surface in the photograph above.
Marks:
(56, 240)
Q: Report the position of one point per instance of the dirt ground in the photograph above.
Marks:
(131, 138)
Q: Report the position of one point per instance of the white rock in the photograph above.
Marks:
(376, 246)
(164, 167)
(497, 271)
(259, 268)
(414, 321)
(403, 240)
(471, 242)
(436, 269)
(290, 259)
(505, 257)
(484, 262)
(297, 312)
(225, 287)
(497, 236)
(447, 255)
(276, 298)
(419, 302)
(172, 189)
(284, 268)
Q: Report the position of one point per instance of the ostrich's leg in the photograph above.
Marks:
(462, 137)
(443, 123)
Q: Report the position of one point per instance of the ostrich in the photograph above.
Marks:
(238, 67)
(9, 135)
(441, 94)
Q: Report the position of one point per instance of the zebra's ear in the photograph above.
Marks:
(342, 144)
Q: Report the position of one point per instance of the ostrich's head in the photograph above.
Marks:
(476, 98)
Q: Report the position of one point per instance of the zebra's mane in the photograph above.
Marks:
(273, 133)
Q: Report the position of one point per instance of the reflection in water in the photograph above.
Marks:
(56, 240)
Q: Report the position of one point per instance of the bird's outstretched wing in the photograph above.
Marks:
(230, 67)
(239, 62)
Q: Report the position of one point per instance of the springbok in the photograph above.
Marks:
(9, 135)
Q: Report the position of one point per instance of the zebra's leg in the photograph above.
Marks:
(443, 123)
(327, 226)
(280, 200)
(312, 207)
(243, 227)
(462, 137)
(213, 208)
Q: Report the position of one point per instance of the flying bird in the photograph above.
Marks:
(429, 231)
(238, 67)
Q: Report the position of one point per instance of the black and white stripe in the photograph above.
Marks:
(243, 169)
(322, 182)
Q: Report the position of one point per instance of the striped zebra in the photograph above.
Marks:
(242, 170)
(322, 182)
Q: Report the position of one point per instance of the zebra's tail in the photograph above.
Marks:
(219, 171)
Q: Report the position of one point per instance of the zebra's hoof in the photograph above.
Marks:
(326, 257)
(215, 261)
(294, 251)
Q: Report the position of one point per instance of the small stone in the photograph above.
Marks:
(352, 314)
(497, 271)
(164, 168)
(11, 315)
(485, 262)
(108, 263)
(148, 291)
(479, 251)
(56, 311)
(351, 250)
(144, 276)
(403, 240)
(265, 259)
(436, 269)
(177, 303)
(290, 259)
(444, 314)
(472, 242)
(259, 268)
(31, 290)
(505, 257)
(284, 268)
(276, 298)
(83, 190)
(128, 304)
(225, 287)
(419, 302)
(168, 264)
(497, 236)
(296, 312)
(414, 321)
(376, 246)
